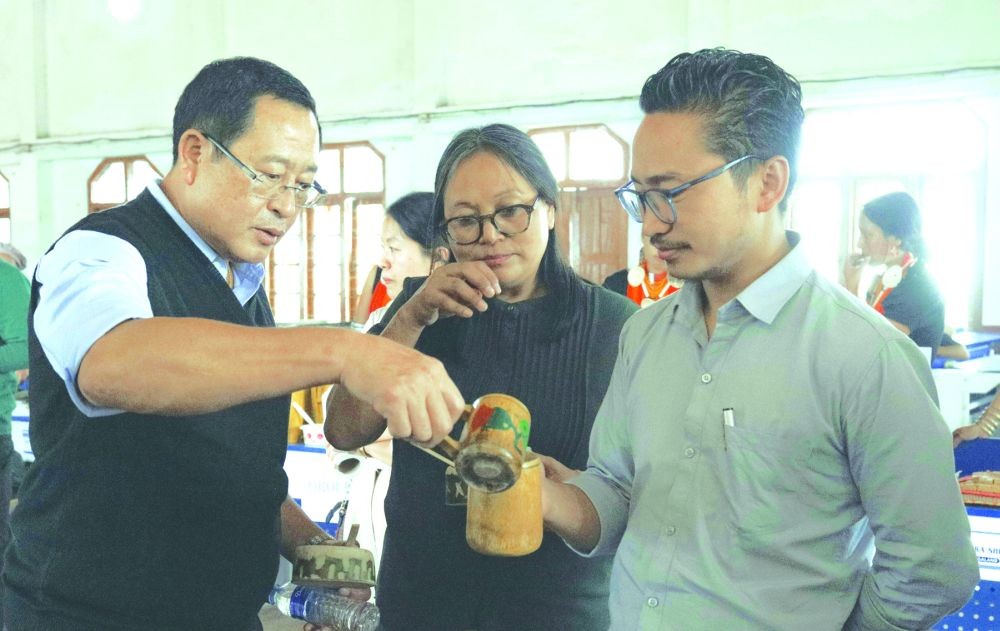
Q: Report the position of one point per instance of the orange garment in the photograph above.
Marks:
(658, 288)
(881, 290)
(380, 297)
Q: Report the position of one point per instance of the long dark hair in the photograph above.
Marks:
(517, 150)
(897, 215)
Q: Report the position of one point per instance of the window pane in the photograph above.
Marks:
(595, 155)
(362, 170)
(4, 192)
(327, 257)
(328, 174)
(290, 249)
(872, 139)
(553, 146)
(868, 189)
(109, 187)
(948, 214)
(370, 217)
(286, 306)
(816, 212)
(143, 174)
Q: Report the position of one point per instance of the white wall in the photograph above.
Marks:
(80, 85)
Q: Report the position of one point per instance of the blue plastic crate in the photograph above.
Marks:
(982, 613)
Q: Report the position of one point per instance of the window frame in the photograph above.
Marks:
(5, 211)
(345, 202)
(128, 163)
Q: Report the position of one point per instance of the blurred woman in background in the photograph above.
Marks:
(904, 293)
(648, 281)
(410, 247)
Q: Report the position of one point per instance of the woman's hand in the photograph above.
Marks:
(455, 289)
(852, 271)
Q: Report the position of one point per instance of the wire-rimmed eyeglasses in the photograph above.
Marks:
(269, 186)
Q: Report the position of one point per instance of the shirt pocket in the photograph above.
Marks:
(761, 478)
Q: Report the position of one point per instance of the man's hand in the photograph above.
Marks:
(360, 595)
(556, 473)
(410, 390)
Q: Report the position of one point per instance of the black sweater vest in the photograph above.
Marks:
(147, 521)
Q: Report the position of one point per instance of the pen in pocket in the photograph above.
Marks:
(727, 421)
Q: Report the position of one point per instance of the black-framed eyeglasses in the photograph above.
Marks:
(508, 221)
(661, 200)
(269, 186)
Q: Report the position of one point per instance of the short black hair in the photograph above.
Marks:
(898, 215)
(517, 150)
(414, 212)
(751, 106)
(220, 100)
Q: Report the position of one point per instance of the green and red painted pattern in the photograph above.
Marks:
(499, 419)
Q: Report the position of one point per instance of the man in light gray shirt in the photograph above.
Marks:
(763, 429)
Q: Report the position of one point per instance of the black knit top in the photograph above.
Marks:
(917, 303)
(429, 577)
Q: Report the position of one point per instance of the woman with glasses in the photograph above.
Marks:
(903, 292)
(506, 315)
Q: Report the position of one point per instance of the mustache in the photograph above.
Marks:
(661, 242)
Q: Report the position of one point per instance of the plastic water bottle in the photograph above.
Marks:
(324, 606)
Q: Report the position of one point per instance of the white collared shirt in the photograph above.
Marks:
(91, 282)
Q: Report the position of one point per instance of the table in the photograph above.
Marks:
(982, 612)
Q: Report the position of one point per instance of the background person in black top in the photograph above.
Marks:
(890, 235)
(169, 510)
(508, 315)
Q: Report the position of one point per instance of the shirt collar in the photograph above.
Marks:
(762, 299)
(765, 297)
(247, 276)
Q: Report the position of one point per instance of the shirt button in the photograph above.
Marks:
(706, 378)
(652, 601)
(689, 452)
(671, 531)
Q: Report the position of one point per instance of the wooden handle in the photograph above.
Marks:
(448, 447)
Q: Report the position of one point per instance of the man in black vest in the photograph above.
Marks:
(159, 385)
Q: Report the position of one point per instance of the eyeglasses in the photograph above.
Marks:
(661, 200)
(269, 186)
(508, 221)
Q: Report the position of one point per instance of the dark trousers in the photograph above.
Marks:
(23, 616)
(7, 459)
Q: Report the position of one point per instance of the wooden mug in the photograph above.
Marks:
(494, 443)
(508, 523)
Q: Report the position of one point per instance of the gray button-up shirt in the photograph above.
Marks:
(742, 480)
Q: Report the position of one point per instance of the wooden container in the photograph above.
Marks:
(495, 443)
(508, 523)
(982, 487)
